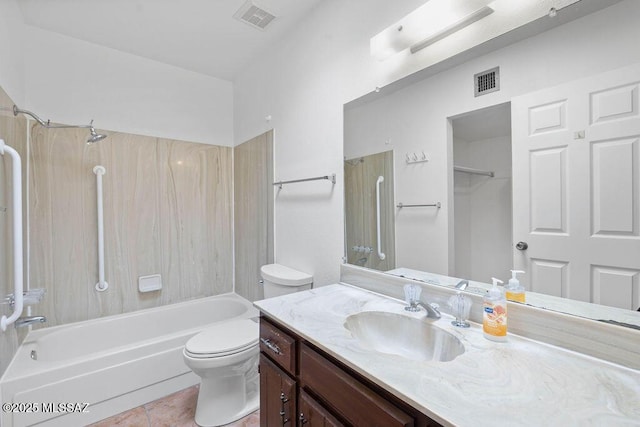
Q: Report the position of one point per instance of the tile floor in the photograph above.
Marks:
(175, 410)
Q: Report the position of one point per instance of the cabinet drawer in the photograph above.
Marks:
(351, 399)
(278, 345)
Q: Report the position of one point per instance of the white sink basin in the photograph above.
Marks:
(404, 336)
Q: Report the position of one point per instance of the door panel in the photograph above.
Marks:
(548, 188)
(576, 185)
(615, 191)
(549, 277)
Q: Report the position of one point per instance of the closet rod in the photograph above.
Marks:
(473, 171)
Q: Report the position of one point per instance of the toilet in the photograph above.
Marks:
(280, 280)
(225, 356)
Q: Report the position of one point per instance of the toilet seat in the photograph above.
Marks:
(223, 339)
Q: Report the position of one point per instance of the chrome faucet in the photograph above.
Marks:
(462, 285)
(412, 297)
(30, 320)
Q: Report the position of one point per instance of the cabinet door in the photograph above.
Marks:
(277, 396)
(313, 414)
(348, 397)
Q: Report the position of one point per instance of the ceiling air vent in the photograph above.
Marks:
(487, 81)
(251, 14)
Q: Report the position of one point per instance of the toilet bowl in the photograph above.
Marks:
(225, 357)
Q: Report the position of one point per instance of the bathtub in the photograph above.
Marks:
(112, 364)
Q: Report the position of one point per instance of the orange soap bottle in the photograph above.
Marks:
(494, 316)
(515, 291)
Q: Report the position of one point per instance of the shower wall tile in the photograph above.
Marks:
(61, 233)
(196, 217)
(253, 213)
(13, 132)
(167, 210)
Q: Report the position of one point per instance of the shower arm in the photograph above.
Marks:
(48, 124)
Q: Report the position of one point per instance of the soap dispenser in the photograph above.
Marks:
(515, 291)
(494, 315)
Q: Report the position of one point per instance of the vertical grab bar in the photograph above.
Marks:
(102, 284)
(381, 254)
(17, 236)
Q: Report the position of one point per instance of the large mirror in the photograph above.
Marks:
(443, 183)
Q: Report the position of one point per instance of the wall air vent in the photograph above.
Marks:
(487, 81)
(251, 14)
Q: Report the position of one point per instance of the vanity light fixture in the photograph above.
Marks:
(433, 21)
(452, 28)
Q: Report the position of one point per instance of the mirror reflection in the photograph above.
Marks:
(538, 177)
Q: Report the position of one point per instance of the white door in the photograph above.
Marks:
(576, 189)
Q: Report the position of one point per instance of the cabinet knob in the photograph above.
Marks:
(303, 420)
(522, 246)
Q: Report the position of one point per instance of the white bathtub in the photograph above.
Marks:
(113, 364)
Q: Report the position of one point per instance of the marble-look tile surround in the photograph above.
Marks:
(167, 210)
(177, 409)
(13, 131)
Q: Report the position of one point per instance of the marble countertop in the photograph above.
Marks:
(518, 383)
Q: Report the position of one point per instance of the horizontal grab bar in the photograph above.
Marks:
(432, 205)
(331, 178)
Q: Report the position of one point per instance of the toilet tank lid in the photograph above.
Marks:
(283, 275)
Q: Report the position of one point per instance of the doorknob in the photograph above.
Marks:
(522, 246)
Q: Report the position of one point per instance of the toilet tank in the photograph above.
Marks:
(280, 280)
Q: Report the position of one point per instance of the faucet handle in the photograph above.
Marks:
(412, 293)
(461, 306)
(412, 296)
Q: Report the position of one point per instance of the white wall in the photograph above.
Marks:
(302, 86)
(305, 82)
(11, 50)
(72, 81)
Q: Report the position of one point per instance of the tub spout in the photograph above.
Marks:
(30, 320)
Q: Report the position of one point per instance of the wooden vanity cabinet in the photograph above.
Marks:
(278, 395)
(312, 413)
(298, 378)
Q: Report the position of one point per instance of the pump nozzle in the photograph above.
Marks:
(495, 292)
(514, 272)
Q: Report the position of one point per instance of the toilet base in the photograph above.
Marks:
(228, 394)
(216, 406)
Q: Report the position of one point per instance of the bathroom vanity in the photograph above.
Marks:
(316, 371)
(300, 384)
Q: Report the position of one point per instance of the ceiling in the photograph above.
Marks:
(491, 122)
(196, 35)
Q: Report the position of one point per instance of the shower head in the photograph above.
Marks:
(95, 137)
